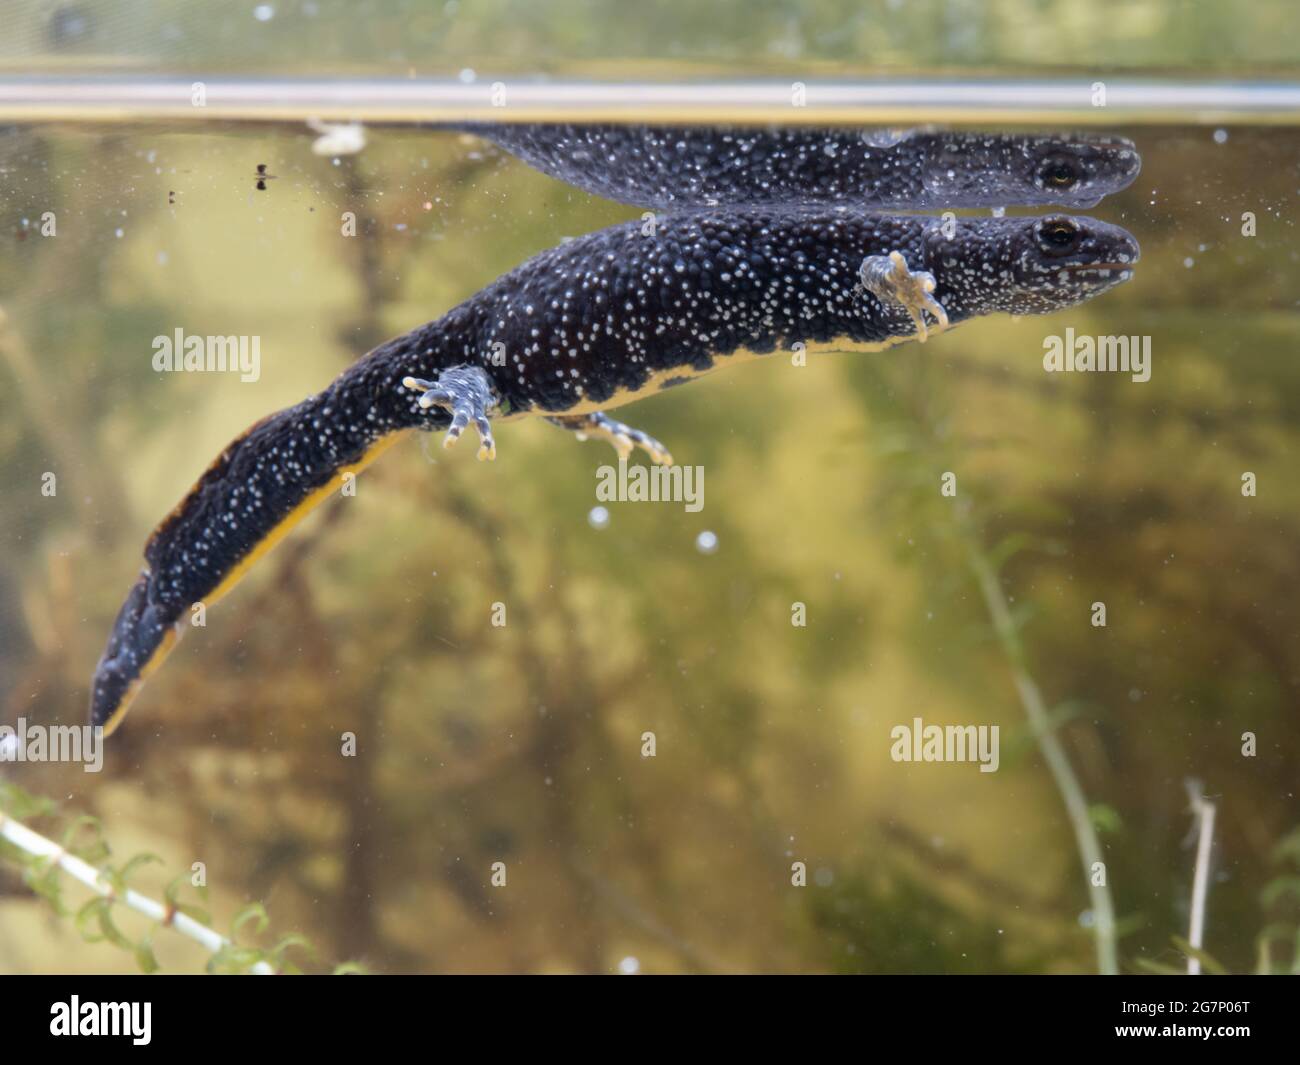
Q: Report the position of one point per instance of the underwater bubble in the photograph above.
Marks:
(629, 966)
(264, 12)
(1220, 136)
(706, 543)
(598, 518)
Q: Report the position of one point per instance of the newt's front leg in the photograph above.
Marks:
(467, 392)
(624, 438)
(888, 278)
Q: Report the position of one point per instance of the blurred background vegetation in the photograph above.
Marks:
(523, 744)
(623, 39)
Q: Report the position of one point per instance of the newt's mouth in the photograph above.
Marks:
(1097, 273)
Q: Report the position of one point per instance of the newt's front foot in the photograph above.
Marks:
(888, 279)
(467, 392)
(624, 438)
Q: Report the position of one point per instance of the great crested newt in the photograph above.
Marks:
(584, 327)
(673, 167)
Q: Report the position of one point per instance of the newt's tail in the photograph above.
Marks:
(142, 636)
(262, 485)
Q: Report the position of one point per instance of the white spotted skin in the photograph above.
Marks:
(603, 319)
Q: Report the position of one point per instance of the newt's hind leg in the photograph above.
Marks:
(888, 279)
(467, 392)
(624, 438)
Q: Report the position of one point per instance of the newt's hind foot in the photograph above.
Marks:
(888, 279)
(467, 392)
(624, 438)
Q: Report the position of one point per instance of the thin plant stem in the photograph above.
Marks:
(35, 844)
(1067, 783)
(1203, 811)
(1058, 762)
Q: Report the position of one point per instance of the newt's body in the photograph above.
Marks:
(584, 327)
(675, 167)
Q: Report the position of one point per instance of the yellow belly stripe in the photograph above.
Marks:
(655, 382)
(273, 537)
(133, 689)
(286, 524)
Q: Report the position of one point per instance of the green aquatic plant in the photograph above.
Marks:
(82, 856)
(922, 446)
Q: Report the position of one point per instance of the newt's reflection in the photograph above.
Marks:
(700, 166)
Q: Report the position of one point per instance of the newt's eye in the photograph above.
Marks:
(1059, 173)
(1058, 235)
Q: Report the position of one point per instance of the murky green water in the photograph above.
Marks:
(524, 743)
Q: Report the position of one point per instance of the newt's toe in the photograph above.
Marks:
(467, 393)
(888, 278)
(623, 437)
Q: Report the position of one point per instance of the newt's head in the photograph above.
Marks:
(1027, 265)
(1059, 261)
(973, 170)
